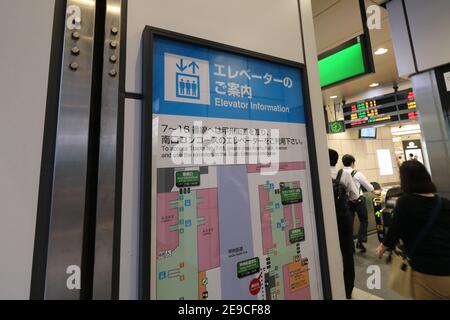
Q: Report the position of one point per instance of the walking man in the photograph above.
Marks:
(359, 205)
(342, 179)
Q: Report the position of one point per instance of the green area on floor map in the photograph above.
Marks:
(296, 235)
(188, 179)
(291, 196)
(248, 267)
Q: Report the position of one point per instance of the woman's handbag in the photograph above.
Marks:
(400, 278)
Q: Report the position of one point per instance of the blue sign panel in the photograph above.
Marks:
(192, 80)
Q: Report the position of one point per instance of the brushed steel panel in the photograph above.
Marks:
(69, 184)
(438, 152)
(106, 191)
(429, 106)
(434, 129)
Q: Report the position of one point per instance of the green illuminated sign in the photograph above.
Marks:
(297, 235)
(342, 65)
(248, 267)
(291, 196)
(336, 127)
(187, 179)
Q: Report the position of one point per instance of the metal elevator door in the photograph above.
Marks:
(76, 254)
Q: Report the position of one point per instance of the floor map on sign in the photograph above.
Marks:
(228, 232)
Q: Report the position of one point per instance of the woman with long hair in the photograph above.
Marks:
(422, 223)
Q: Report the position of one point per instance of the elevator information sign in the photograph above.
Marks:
(232, 189)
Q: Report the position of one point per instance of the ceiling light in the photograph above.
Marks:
(374, 85)
(333, 97)
(381, 51)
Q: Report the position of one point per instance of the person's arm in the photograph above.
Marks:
(363, 181)
(398, 224)
(395, 231)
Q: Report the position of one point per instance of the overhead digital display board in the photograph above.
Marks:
(345, 62)
(229, 207)
(394, 107)
(342, 65)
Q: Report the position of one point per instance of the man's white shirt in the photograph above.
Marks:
(347, 181)
(360, 180)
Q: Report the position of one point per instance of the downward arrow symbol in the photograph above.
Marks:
(181, 65)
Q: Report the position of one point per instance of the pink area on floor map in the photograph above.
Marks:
(266, 223)
(301, 294)
(284, 166)
(208, 233)
(166, 217)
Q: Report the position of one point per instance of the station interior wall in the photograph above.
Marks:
(24, 71)
(365, 152)
(250, 25)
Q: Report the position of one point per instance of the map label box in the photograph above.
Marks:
(297, 235)
(187, 179)
(248, 267)
(291, 196)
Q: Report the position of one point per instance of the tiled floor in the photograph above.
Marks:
(362, 262)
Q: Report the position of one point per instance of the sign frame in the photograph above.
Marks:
(146, 167)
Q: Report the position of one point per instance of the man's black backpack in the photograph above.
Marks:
(340, 194)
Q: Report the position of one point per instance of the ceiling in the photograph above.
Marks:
(337, 21)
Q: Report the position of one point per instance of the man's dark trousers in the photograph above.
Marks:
(359, 206)
(345, 229)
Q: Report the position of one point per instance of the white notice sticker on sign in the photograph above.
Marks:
(447, 80)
